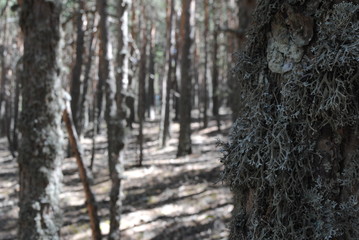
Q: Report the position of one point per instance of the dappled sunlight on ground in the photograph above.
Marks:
(168, 198)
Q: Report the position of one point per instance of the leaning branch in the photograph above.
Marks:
(76, 148)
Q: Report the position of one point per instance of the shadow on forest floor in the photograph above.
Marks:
(168, 198)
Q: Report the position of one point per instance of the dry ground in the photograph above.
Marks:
(168, 198)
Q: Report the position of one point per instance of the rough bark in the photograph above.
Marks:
(292, 160)
(83, 172)
(167, 80)
(40, 152)
(184, 142)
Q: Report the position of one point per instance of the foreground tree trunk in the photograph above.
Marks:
(184, 141)
(293, 158)
(40, 149)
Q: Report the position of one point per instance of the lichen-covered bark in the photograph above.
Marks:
(293, 156)
(40, 148)
(184, 141)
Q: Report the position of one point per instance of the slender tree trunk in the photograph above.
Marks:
(90, 53)
(77, 69)
(83, 172)
(167, 80)
(103, 55)
(184, 142)
(130, 98)
(15, 132)
(215, 90)
(3, 80)
(205, 75)
(151, 74)
(176, 71)
(118, 133)
(40, 152)
(142, 83)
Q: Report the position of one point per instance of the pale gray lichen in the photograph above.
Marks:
(292, 160)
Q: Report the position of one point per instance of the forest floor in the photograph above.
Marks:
(168, 198)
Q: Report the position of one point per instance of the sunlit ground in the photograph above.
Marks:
(168, 198)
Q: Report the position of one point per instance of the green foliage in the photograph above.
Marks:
(286, 185)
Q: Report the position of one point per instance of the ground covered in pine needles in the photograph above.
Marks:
(168, 198)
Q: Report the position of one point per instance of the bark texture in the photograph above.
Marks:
(184, 144)
(292, 160)
(40, 149)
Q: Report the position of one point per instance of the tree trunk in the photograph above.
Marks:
(77, 150)
(103, 55)
(167, 80)
(115, 114)
(151, 75)
(184, 142)
(292, 158)
(90, 53)
(205, 75)
(142, 83)
(118, 133)
(40, 149)
(77, 69)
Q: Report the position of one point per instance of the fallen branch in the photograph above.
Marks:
(76, 148)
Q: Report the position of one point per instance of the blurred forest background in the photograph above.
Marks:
(150, 88)
(179, 119)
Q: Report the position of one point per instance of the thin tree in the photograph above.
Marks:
(40, 151)
(142, 81)
(118, 121)
(150, 103)
(184, 142)
(114, 113)
(205, 75)
(75, 89)
(167, 80)
(292, 160)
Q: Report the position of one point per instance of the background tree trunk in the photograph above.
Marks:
(205, 75)
(184, 141)
(142, 82)
(77, 69)
(40, 151)
(167, 80)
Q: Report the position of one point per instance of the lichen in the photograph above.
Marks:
(292, 160)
